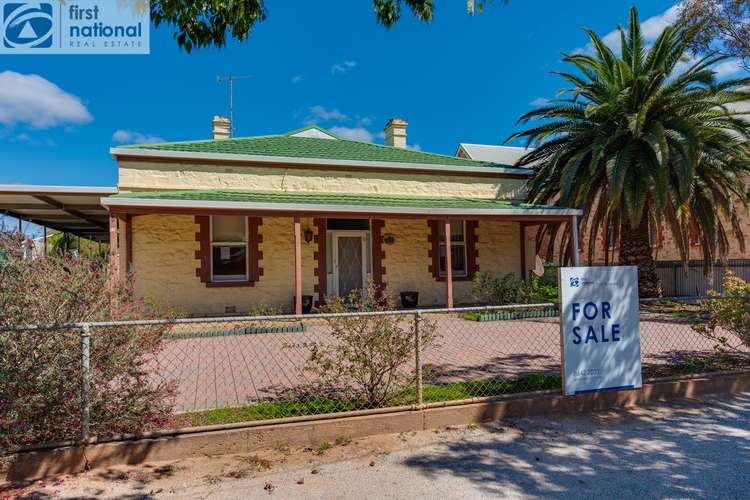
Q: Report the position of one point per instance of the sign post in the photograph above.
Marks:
(599, 328)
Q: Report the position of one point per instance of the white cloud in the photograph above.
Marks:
(414, 147)
(353, 127)
(343, 67)
(354, 133)
(122, 136)
(319, 112)
(651, 28)
(37, 102)
(539, 101)
(296, 79)
(728, 68)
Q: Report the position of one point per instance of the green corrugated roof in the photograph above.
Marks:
(356, 199)
(287, 145)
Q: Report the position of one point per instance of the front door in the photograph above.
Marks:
(349, 263)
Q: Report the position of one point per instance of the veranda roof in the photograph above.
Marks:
(315, 202)
(71, 209)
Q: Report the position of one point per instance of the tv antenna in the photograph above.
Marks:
(231, 79)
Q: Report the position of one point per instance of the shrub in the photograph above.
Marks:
(512, 290)
(728, 316)
(40, 370)
(367, 359)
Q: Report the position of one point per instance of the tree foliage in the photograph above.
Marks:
(719, 24)
(644, 138)
(207, 23)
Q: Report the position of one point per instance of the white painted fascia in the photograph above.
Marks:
(151, 153)
(308, 207)
(31, 188)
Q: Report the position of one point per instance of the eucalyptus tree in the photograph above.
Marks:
(643, 138)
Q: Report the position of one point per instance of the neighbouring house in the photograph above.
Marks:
(676, 280)
(225, 225)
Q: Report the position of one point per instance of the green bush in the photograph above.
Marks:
(40, 370)
(367, 357)
(511, 290)
(728, 316)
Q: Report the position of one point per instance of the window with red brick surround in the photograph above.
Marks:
(203, 254)
(472, 251)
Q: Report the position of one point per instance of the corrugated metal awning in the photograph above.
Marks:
(71, 209)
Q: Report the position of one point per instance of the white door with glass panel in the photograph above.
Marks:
(349, 261)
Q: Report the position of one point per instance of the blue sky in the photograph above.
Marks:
(457, 79)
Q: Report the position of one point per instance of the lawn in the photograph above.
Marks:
(314, 405)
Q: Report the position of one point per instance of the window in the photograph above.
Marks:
(458, 248)
(229, 259)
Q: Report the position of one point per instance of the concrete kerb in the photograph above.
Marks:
(34, 465)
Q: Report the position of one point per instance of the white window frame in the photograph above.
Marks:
(456, 274)
(230, 278)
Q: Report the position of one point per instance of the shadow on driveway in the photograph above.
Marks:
(692, 450)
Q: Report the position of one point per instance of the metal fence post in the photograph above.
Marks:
(418, 356)
(85, 381)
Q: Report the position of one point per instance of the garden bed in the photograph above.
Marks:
(247, 330)
(699, 364)
(509, 315)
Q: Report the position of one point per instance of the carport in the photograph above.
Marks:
(69, 209)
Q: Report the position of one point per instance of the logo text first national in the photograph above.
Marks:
(74, 27)
(27, 25)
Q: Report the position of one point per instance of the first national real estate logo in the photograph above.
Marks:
(27, 25)
(74, 27)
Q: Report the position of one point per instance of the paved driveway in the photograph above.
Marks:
(233, 370)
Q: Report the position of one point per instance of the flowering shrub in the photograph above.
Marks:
(728, 316)
(40, 370)
(366, 361)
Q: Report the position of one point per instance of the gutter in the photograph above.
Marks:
(309, 207)
(286, 160)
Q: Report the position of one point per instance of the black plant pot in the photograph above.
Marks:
(409, 300)
(307, 304)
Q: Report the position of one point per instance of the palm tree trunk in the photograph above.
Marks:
(635, 250)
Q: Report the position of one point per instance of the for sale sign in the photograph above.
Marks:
(600, 328)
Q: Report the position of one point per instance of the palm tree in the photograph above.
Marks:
(645, 137)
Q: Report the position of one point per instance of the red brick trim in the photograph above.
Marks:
(378, 255)
(128, 243)
(254, 239)
(472, 250)
(433, 238)
(203, 254)
(321, 261)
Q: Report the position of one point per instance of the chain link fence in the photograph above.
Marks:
(100, 379)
